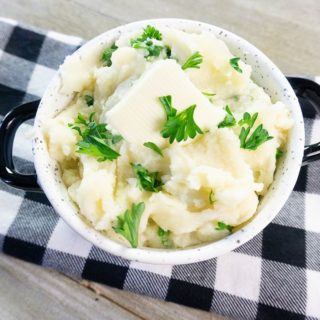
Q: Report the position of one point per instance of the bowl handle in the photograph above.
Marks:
(309, 90)
(8, 129)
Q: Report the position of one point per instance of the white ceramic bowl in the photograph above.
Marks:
(265, 74)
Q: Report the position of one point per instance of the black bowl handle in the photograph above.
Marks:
(309, 90)
(8, 129)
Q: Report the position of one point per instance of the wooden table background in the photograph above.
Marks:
(287, 31)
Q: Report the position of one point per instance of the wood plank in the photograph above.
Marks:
(31, 292)
(287, 33)
(28, 290)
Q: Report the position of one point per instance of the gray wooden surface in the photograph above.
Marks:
(287, 31)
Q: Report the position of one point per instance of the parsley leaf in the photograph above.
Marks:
(223, 226)
(146, 180)
(248, 119)
(153, 147)
(89, 100)
(107, 54)
(235, 64)
(166, 101)
(146, 41)
(208, 94)
(229, 120)
(182, 126)
(193, 61)
(96, 148)
(179, 126)
(164, 237)
(128, 223)
(150, 32)
(168, 52)
(259, 135)
(116, 138)
(95, 137)
(279, 154)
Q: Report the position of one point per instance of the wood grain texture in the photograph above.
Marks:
(31, 292)
(287, 31)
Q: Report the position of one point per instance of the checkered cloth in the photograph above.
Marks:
(276, 275)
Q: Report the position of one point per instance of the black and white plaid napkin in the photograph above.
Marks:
(276, 275)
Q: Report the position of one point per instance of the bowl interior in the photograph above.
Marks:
(264, 73)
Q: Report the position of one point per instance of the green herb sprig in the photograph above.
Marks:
(164, 236)
(148, 181)
(193, 61)
(223, 226)
(179, 126)
(208, 94)
(234, 62)
(116, 138)
(168, 52)
(89, 100)
(128, 223)
(257, 137)
(153, 147)
(107, 55)
(146, 41)
(95, 138)
(229, 120)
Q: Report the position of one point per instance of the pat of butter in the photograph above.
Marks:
(139, 116)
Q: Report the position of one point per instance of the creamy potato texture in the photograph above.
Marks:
(209, 183)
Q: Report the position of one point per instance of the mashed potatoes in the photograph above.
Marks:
(190, 191)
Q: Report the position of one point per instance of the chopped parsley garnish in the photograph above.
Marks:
(257, 137)
(107, 54)
(229, 120)
(151, 32)
(236, 98)
(208, 94)
(146, 41)
(223, 226)
(128, 223)
(212, 200)
(164, 237)
(146, 180)
(153, 147)
(168, 52)
(279, 154)
(166, 101)
(179, 126)
(116, 138)
(95, 138)
(235, 64)
(89, 100)
(248, 119)
(193, 61)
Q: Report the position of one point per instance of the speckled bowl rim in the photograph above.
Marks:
(265, 73)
